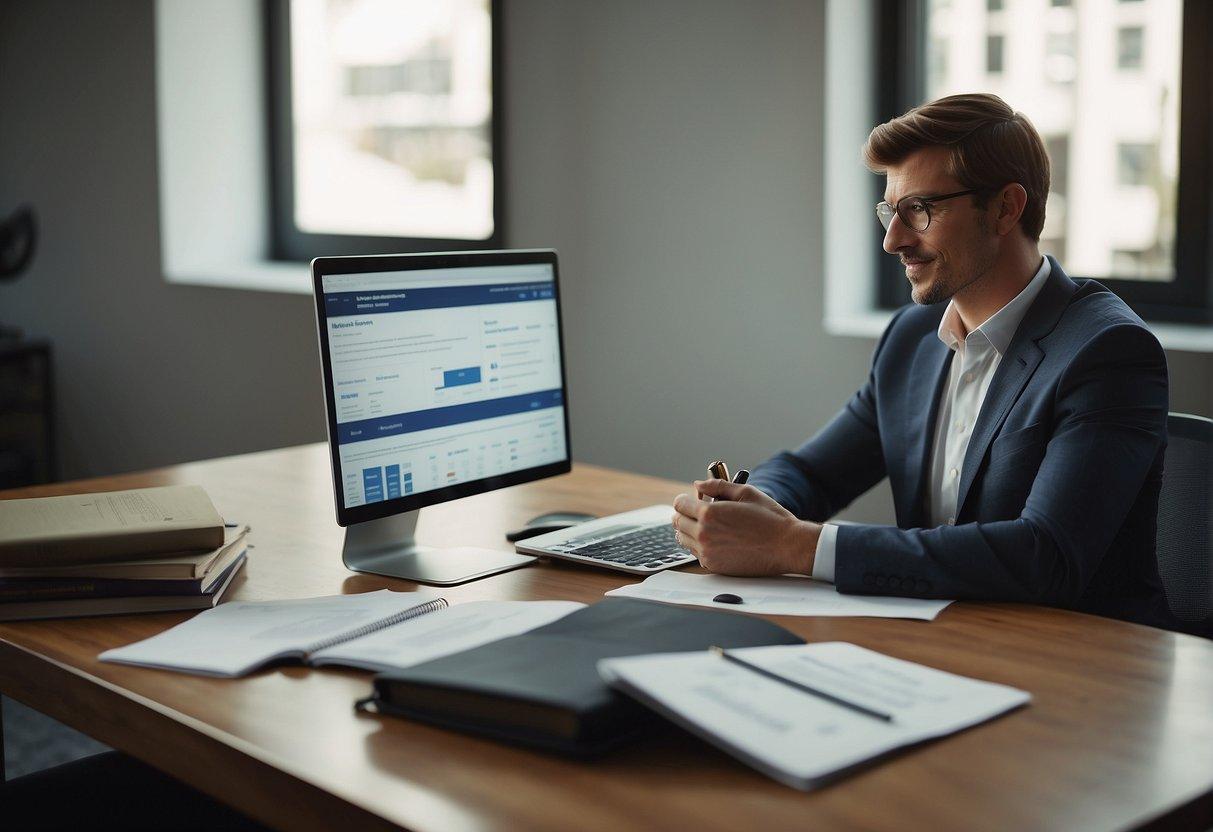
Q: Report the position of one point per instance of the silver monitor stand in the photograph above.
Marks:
(386, 547)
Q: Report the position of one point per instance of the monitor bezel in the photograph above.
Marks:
(362, 264)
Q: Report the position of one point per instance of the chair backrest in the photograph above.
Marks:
(1185, 548)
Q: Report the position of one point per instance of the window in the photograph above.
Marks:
(1053, 235)
(1061, 59)
(1128, 260)
(994, 5)
(1135, 164)
(1129, 40)
(385, 126)
(1129, 202)
(1060, 3)
(994, 47)
(938, 69)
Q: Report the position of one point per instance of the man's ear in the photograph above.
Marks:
(1010, 202)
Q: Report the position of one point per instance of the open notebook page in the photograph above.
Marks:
(239, 636)
(442, 633)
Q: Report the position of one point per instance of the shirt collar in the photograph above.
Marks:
(999, 328)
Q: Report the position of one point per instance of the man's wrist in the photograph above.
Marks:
(802, 547)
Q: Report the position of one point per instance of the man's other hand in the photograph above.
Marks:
(744, 532)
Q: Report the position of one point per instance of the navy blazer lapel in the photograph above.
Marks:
(1023, 356)
(928, 374)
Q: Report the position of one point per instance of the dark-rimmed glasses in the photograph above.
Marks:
(915, 211)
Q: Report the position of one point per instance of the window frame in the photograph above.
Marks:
(287, 241)
(902, 33)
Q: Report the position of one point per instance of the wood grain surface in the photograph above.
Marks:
(1119, 733)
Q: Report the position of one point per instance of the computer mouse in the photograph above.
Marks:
(544, 523)
(727, 598)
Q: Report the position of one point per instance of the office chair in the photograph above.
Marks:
(1185, 548)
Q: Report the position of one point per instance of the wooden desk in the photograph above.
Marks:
(1119, 733)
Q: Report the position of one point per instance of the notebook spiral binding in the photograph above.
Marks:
(367, 629)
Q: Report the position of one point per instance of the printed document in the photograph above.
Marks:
(786, 595)
(796, 737)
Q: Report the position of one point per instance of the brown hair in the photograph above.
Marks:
(991, 146)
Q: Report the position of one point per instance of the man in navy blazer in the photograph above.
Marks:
(1019, 415)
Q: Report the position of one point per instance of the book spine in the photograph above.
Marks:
(81, 607)
(124, 544)
(192, 565)
(21, 590)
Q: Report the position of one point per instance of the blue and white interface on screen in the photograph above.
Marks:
(443, 376)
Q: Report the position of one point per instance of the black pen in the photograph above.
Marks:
(837, 700)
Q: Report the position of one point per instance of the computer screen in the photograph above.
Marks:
(444, 376)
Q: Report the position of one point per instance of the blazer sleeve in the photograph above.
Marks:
(1109, 426)
(826, 473)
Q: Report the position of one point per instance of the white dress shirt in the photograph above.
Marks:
(978, 354)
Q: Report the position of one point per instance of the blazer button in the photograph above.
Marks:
(894, 582)
(881, 581)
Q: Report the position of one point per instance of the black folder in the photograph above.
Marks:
(542, 688)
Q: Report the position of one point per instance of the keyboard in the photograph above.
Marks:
(628, 548)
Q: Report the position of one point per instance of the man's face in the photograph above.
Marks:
(957, 248)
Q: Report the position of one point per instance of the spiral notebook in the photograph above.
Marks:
(377, 631)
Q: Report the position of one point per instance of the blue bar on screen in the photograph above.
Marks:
(372, 302)
(466, 375)
(372, 485)
(439, 417)
(392, 473)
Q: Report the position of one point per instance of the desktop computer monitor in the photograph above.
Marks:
(443, 378)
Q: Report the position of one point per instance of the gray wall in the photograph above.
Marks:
(148, 373)
(670, 150)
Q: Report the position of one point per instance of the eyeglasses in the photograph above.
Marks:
(915, 211)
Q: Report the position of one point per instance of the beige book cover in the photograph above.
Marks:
(107, 526)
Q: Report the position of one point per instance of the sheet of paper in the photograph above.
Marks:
(796, 737)
(236, 637)
(775, 596)
(456, 628)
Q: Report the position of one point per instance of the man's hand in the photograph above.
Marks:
(745, 532)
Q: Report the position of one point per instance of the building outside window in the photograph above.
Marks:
(1113, 139)
(387, 142)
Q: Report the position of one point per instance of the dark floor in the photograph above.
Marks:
(34, 741)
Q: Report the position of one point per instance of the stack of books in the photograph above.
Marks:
(116, 552)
